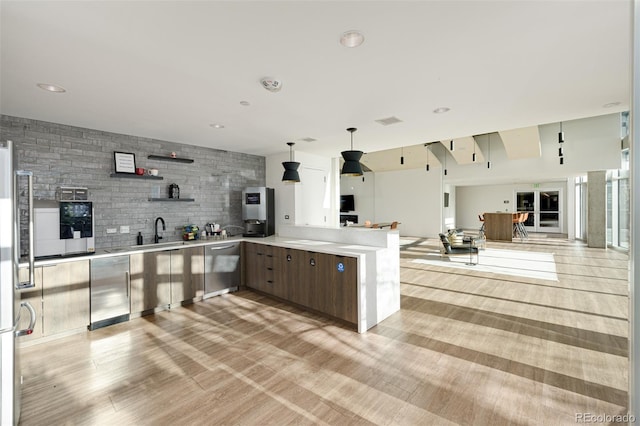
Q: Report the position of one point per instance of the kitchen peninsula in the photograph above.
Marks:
(358, 273)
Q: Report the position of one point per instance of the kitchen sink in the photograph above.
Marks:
(151, 245)
(116, 249)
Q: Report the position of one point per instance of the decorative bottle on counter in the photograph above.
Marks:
(139, 238)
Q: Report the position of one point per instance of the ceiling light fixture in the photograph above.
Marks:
(489, 151)
(560, 134)
(445, 162)
(427, 145)
(441, 110)
(216, 126)
(290, 167)
(473, 157)
(451, 145)
(401, 155)
(351, 38)
(51, 88)
(561, 141)
(351, 166)
(245, 103)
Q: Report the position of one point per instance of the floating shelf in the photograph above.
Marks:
(134, 176)
(164, 158)
(171, 199)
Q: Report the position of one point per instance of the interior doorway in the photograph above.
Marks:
(544, 208)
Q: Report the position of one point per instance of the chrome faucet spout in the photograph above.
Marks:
(156, 237)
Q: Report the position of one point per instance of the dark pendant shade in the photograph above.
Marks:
(290, 167)
(291, 171)
(351, 166)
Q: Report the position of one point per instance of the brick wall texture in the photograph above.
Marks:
(62, 155)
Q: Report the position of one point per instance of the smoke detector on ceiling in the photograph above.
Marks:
(271, 84)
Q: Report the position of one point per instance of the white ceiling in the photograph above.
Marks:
(169, 69)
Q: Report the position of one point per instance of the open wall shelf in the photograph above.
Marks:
(171, 199)
(134, 176)
(164, 158)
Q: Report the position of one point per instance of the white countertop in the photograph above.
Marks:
(287, 242)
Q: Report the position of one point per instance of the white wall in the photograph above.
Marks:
(449, 213)
(363, 191)
(413, 198)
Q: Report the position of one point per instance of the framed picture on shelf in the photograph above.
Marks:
(125, 162)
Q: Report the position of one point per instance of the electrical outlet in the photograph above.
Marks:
(286, 217)
(112, 230)
(124, 229)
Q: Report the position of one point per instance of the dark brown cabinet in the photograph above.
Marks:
(343, 290)
(323, 282)
(259, 267)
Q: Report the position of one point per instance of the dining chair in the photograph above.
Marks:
(394, 225)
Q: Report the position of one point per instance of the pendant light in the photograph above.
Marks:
(401, 155)
(451, 145)
(427, 146)
(290, 167)
(473, 157)
(489, 152)
(445, 161)
(351, 166)
(561, 141)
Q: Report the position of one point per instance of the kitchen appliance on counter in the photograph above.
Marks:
(63, 228)
(109, 291)
(258, 211)
(10, 304)
(174, 191)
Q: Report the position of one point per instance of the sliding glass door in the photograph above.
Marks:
(544, 208)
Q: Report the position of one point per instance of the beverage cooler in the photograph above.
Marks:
(258, 211)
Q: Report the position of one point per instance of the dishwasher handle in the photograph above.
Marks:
(223, 247)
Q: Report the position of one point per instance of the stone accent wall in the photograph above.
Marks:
(61, 155)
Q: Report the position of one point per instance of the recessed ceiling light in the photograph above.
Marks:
(244, 103)
(441, 110)
(611, 105)
(217, 126)
(352, 38)
(51, 88)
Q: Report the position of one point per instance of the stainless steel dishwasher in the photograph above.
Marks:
(221, 268)
(109, 291)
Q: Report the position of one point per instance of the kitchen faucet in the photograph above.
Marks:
(157, 238)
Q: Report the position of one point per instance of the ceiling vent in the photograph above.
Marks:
(388, 121)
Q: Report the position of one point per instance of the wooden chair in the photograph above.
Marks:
(394, 225)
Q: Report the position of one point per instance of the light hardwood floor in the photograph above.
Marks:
(467, 347)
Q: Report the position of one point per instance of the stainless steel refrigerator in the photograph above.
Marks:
(10, 306)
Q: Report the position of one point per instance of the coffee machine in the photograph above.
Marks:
(258, 211)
